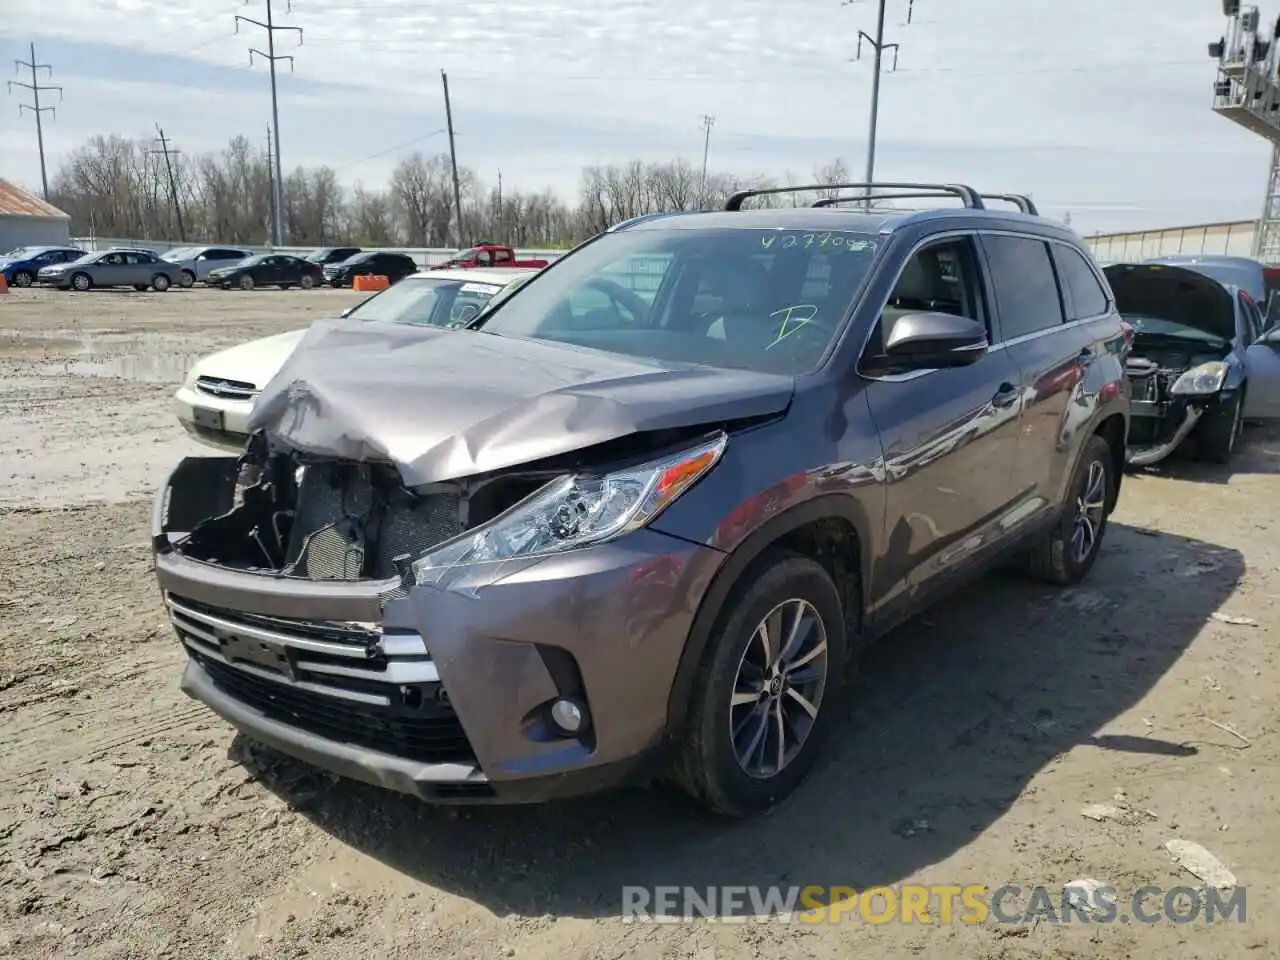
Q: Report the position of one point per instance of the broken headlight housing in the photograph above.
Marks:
(574, 511)
(1201, 381)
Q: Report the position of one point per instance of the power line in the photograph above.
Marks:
(271, 57)
(36, 88)
(167, 152)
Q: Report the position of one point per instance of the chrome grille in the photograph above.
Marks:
(226, 389)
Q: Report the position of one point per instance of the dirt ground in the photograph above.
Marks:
(134, 824)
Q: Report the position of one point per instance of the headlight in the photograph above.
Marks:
(575, 511)
(1204, 379)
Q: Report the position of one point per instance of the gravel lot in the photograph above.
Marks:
(133, 823)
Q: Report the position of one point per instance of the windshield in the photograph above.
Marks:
(249, 261)
(1148, 326)
(427, 301)
(179, 253)
(315, 256)
(769, 300)
(24, 253)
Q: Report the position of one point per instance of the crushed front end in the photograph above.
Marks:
(290, 581)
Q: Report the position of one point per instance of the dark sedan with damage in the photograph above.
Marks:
(1203, 362)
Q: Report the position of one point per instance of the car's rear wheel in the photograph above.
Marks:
(160, 283)
(306, 282)
(81, 281)
(765, 696)
(187, 279)
(23, 278)
(1218, 433)
(246, 282)
(1066, 553)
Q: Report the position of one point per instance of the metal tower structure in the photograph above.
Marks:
(1247, 92)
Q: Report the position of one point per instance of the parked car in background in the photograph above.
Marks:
(214, 401)
(120, 267)
(20, 266)
(267, 270)
(649, 515)
(197, 262)
(489, 255)
(371, 263)
(325, 255)
(1203, 360)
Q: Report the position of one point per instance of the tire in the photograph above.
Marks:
(81, 281)
(1056, 558)
(23, 278)
(1219, 431)
(708, 767)
(306, 281)
(160, 282)
(246, 282)
(186, 280)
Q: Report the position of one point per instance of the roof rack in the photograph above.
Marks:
(632, 221)
(969, 196)
(1023, 203)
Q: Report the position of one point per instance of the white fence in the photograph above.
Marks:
(1232, 239)
(423, 256)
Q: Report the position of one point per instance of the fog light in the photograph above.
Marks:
(569, 715)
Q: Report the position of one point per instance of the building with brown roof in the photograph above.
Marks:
(28, 221)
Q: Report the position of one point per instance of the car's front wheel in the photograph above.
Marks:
(81, 281)
(1066, 553)
(765, 695)
(1219, 431)
(23, 278)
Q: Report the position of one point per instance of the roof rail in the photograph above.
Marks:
(969, 196)
(1023, 203)
(632, 221)
(1019, 200)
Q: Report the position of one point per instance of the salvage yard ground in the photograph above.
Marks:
(133, 823)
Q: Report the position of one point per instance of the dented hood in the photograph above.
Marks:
(445, 404)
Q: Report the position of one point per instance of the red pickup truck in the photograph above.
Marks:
(488, 255)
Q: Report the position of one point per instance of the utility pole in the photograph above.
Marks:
(36, 88)
(879, 47)
(166, 152)
(271, 176)
(453, 158)
(708, 122)
(271, 58)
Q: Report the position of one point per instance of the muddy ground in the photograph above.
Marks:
(133, 823)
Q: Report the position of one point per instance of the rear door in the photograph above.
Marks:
(949, 436)
(1048, 299)
(1262, 361)
(141, 267)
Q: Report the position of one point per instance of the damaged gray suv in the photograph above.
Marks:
(643, 518)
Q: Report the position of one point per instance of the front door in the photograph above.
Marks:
(1262, 361)
(949, 436)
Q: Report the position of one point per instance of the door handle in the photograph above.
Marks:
(1005, 396)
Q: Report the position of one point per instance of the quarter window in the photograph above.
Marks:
(1025, 285)
(1088, 298)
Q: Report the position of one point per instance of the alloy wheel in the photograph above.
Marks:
(778, 689)
(22, 279)
(1091, 504)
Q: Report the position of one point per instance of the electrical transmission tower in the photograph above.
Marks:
(37, 88)
(1247, 92)
(168, 153)
(271, 57)
(879, 48)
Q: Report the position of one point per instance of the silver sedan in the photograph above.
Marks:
(139, 269)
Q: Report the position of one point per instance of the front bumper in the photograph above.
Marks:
(454, 697)
(214, 421)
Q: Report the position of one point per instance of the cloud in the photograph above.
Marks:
(1094, 106)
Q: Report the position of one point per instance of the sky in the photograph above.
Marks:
(1097, 108)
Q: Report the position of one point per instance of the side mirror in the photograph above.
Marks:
(927, 340)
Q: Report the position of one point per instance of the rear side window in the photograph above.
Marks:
(1088, 298)
(1025, 285)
